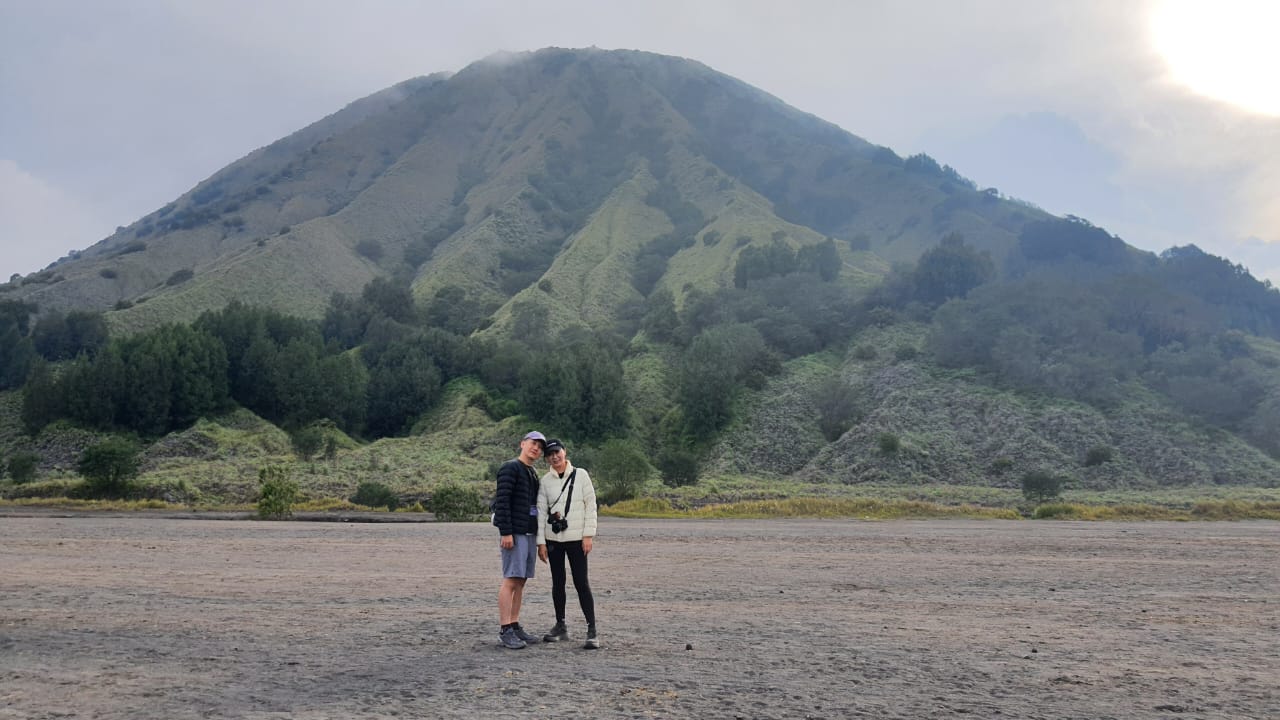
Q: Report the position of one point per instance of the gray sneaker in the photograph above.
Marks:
(557, 633)
(510, 640)
(526, 637)
(593, 642)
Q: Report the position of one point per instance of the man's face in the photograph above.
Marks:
(558, 459)
(530, 449)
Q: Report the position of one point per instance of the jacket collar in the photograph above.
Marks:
(568, 469)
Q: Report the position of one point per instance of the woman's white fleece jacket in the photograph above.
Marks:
(582, 514)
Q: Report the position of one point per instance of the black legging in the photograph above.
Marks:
(556, 552)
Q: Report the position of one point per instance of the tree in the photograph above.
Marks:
(1261, 428)
(450, 309)
(17, 314)
(307, 441)
(108, 466)
(22, 466)
(392, 300)
(1039, 487)
(950, 270)
(403, 384)
(822, 259)
(660, 320)
(345, 320)
(17, 355)
(717, 363)
(620, 471)
(678, 467)
(42, 401)
(344, 383)
(1051, 241)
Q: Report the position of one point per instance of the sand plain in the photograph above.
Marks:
(143, 617)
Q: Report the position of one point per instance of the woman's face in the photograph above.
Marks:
(557, 460)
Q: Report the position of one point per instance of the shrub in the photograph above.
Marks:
(307, 441)
(107, 273)
(839, 406)
(904, 353)
(1097, 456)
(452, 502)
(22, 467)
(620, 471)
(1050, 511)
(122, 305)
(108, 467)
(375, 494)
(495, 408)
(180, 277)
(678, 468)
(276, 493)
(1039, 487)
(888, 443)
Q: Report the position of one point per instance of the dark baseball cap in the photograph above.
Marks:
(552, 445)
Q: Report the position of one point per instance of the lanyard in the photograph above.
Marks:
(569, 499)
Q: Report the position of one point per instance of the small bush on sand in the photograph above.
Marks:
(452, 502)
(108, 467)
(276, 493)
(375, 494)
(620, 470)
(1040, 487)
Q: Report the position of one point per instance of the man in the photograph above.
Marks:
(515, 512)
(568, 498)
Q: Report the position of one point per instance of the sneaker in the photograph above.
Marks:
(557, 633)
(526, 637)
(593, 642)
(510, 640)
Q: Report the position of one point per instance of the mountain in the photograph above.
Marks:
(520, 168)
(792, 300)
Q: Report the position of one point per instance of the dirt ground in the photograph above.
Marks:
(135, 617)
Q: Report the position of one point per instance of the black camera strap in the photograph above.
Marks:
(568, 500)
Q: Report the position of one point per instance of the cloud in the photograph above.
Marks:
(39, 222)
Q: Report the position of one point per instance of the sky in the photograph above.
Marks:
(1158, 120)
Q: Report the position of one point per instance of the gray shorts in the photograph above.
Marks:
(519, 561)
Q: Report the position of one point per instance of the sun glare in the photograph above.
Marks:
(1224, 49)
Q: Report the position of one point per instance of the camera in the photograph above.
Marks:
(557, 523)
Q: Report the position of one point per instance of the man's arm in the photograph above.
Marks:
(502, 504)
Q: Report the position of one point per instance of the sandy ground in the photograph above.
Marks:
(107, 617)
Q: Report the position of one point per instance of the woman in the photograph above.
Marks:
(567, 507)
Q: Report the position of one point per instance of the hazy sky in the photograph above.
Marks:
(1158, 120)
